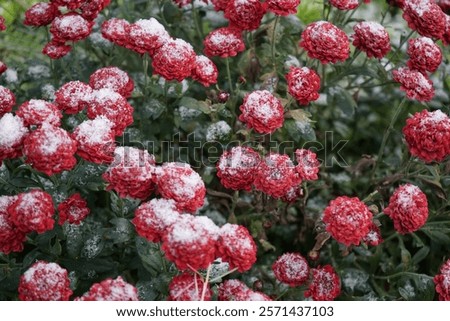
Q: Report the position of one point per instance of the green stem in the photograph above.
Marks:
(230, 84)
(400, 274)
(273, 41)
(387, 134)
(396, 52)
(197, 24)
(145, 64)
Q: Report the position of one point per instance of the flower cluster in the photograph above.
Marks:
(325, 284)
(292, 269)
(73, 210)
(408, 208)
(303, 84)
(73, 25)
(427, 135)
(235, 290)
(45, 281)
(371, 38)
(262, 111)
(275, 175)
(11, 238)
(324, 41)
(131, 173)
(425, 16)
(111, 290)
(442, 282)
(416, 85)
(173, 59)
(348, 220)
(189, 287)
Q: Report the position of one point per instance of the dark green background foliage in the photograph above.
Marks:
(361, 98)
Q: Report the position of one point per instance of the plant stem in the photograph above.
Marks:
(396, 52)
(230, 84)
(223, 275)
(399, 274)
(273, 41)
(145, 64)
(387, 134)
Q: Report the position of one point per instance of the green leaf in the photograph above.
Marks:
(150, 255)
(192, 103)
(298, 130)
(310, 10)
(341, 98)
(420, 255)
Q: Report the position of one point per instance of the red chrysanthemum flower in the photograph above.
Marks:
(292, 194)
(181, 183)
(235, 290)
(2, 24)
(408, 208)
(262, 111)
(70, 4)
(56, 50)
(151, 219)
(112, 78)
(292, 269)
(205, 71)
(345, 4)
(73, 97)
(326, 42)
(425, 16)
(308, 165)
(37, 111)
(146, 35)
(427, 135)
(303, 84)
(236, 246)
(33, 211)
(237, 168)
(446, 36)
(224, 42)
(416, 85)
(189, 287)
(220, 5)
(96, 142)
(3, 67)
(174, 60)
(12, 135)
(11, 238)
(372, 38)
(245, 14)
(347, 219)
(190, 242)
(50, 150)
(131, 173)
(325, 284)
(7, 100)
(73, 210)
(116, 31)
(276, 175)
(90, 9)
(111, 290)
(442, 282)
(44, 281)
(41, 14)
(373, 238)
(70, 27)
(424, 55)
(283, 7)
(112, 105)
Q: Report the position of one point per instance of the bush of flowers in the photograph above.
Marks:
(224, 150)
